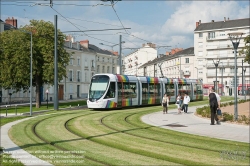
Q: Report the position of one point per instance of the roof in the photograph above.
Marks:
(91, 48)
(223, 24)
(186, 52)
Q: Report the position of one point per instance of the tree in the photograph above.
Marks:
(246, 49)
(15, 57)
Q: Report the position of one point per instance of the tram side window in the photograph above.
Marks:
(151, 89)
(129, 90)
(111, 91)
(169, 89)
(119, 90)
(199, 89)
(184, 88)
(144, 88)
(158, 91)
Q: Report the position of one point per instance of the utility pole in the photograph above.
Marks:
(55, 68)
(120, 56)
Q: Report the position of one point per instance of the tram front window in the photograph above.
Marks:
(98, 87)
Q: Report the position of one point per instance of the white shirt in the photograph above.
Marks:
(217, 97)
(186, 100)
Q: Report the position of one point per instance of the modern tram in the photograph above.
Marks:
(109, 91)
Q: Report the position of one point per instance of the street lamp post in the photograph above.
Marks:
(216, 63)
(235, 39)
(222, 84)
(243, 78)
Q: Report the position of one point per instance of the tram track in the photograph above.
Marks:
(59, 147)
(152, 139)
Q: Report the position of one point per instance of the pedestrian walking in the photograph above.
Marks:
(165, 103)
(178, 103)
(186, 101)
(214, 102)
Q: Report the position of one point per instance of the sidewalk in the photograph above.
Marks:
(190, 123)
(15, 151)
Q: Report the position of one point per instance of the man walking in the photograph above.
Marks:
(214, 102)
(186, 101)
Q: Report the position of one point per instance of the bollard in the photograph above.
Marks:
(6, 110)
(78, 105)
(16, 111)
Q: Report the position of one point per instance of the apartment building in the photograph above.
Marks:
(85, 61)
(212, 45)
(177, 64)
(134, 60)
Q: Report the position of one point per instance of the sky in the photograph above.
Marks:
(168, 24)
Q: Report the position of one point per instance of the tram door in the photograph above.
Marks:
(144, 93)
(120, 94)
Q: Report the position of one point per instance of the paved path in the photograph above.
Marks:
(190, 123)
(15, 151)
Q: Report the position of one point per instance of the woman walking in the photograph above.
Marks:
(178, 103)
(165, 102)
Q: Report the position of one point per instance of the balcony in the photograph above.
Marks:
(186, 73)
(86, 68)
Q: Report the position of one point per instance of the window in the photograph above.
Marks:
(78, 61)
(231, 70)
(200, 62)
(92, 63)
(103, 69)
(98, 68)
(111, 91)
(78, 76)
(200, 53)
(86, 62)
(103, 59)
(211, 35)
(70, 75)
(98, 58)
(222, 70)
(200, 34)
(71, 60)
(113, 70)
(200, 44)
(108, 69)
(186, 60)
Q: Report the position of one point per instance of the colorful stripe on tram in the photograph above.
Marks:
(151, 100)
(153, 80)
(127, 102)
(170, 80)
(111, 104)
(182, 81)
(122, 78)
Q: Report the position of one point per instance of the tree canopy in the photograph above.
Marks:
(246, 49)
(15, 52)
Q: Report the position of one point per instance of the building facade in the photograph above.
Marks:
(212, 46)
(177, 65)
(132, 62)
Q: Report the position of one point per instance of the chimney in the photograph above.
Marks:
(11, 21)
(197, 24)
(228, 18)
(225, 19)
(85, 43)
(212, 20)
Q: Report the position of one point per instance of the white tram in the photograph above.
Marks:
(108, 91)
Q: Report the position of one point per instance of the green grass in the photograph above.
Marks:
(129, 142)
(4, 121)
(22, 109)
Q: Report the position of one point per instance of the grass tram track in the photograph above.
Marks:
(111, 137)
(59, 147)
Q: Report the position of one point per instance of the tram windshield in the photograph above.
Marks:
(98, 87)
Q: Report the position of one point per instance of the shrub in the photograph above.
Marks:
(227, 117)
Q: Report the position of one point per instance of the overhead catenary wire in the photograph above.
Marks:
(79, 28)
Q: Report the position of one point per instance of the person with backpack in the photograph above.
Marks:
(214, 102)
